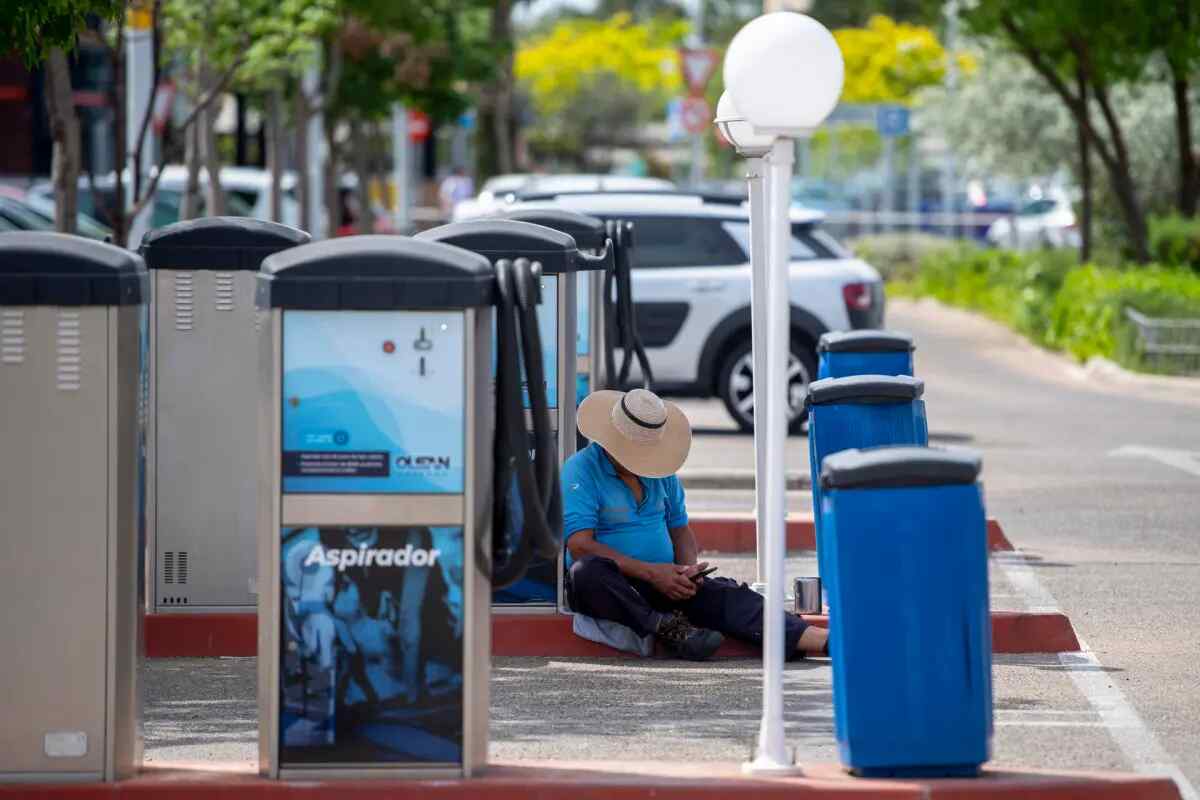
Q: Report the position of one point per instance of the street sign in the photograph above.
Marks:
(891, 121)
(698, 65)
(697, 116)
(418, 126)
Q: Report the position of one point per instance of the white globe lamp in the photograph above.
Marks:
(738, 131)
(784, 73)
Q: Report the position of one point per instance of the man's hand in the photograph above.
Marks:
(694, 569)
(672, 580)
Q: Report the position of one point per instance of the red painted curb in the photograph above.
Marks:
(736, 534)
(550, 636)
(603, 781)
(201, 635)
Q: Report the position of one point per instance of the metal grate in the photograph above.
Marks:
(12, 336)
(181, 567)
(68, 352)
(259, 317)
(1166, 339)
(223, 289)
(185, 298)
(175, 567)
(168, 567)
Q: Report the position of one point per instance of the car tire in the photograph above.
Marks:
(735, 384)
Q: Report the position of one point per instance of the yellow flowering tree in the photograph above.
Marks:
(594, 82)
(889, 61)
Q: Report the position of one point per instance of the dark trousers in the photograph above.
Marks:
(598, 589)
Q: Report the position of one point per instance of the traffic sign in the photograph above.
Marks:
(699, 64)
(419, 126)
(891, 121)
(697, 116)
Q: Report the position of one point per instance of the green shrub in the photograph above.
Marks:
(1051, 298)
(897, 255)
(1175, 240)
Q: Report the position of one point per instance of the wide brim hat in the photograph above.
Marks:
(647, 435)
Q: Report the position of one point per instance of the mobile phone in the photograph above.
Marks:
(704, 572)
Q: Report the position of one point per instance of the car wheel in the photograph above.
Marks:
(735, 384)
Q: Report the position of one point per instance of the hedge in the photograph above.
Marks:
(1057, 302)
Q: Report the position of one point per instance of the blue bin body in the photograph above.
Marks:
(910, 629)
(863, 418)
(864, 352)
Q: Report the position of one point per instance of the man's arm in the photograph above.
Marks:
(684, 542)
(672, 580)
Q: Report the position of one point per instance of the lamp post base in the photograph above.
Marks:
(765, 765)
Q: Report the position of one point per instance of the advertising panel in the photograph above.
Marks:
(373, 402)
(371, 646)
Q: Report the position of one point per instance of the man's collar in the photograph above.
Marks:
(606, 460)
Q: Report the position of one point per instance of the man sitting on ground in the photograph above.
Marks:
(631, 553)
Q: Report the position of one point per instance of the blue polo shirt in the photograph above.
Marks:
(595, 498)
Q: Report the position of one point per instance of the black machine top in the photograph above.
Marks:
(497, 239)
(865, 341)
(370, 273)
(861, 389)
(882, 467)
(587, 231)
(217, 243)
(38, 268)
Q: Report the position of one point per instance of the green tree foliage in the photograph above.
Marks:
(32, 27)
(593, 82)
(888, 61)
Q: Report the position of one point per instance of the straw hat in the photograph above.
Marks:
(645, 434)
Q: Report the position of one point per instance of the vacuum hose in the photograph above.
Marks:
(530, 509)
(620, 314)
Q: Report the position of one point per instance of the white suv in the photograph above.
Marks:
(691, 288)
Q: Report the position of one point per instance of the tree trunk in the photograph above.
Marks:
(64, 129)
(1122, 179)
(189, 206)
(1085, 179)
(333, 199)
(214, 196)
(303, 185)
(274, 152)
(120, 216)
(360, 147)
(1189, 171)
(502, 86)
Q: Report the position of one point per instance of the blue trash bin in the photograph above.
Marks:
(864, 352)
(910, 630)
(856, 412)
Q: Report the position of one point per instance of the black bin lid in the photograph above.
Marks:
(370, 273)
(862, 389)
(881, 467)
(865, 341)
(217, 243)
(587, 231)
(38, 268)
(508, 238)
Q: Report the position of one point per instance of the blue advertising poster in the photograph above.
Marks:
(373, 402)
(371, 646)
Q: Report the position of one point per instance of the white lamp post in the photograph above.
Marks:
(753, 146)
(783, 72)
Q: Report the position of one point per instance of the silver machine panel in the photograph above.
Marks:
(203, 439)
(69, 549)
(375, 470)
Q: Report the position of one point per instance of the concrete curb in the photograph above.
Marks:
(736, 534)
(736, 479)
(600, 780)
(550, 636)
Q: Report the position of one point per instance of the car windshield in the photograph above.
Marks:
(808, 242)
(22, 217)
(84, 224)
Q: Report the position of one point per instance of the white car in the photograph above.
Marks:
(691, 288)
(1045, 221)
(503, 190)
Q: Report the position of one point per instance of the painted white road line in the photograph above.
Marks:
(1126, 727)
(1186, 460)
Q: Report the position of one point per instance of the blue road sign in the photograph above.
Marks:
(891, 121)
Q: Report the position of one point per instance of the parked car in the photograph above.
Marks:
(502, 190)
(23, 210)
(692, 286)
(1046, 221)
